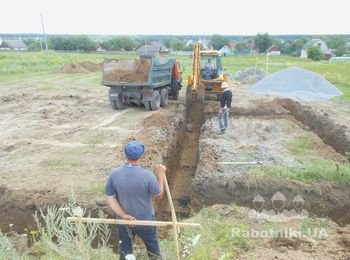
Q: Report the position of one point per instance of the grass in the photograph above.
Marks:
(300, 145)
(315, 170)
(94, 189)
(14, 65)
(214, 239)
(20, 65)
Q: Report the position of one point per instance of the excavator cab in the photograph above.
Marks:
(208, 74)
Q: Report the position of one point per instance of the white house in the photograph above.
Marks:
(316, 42)
(153, 48)
(226, 51)
(273, 50)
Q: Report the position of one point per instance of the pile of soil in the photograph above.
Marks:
(127, 71)
(91, 66)
(81, 67)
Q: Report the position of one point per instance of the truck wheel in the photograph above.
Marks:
(113, 104)
(119, 104)
(175, 89)
(147, 105)
(164, 97)
(155, 102)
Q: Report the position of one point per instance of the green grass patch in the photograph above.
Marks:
(214, 239)
(315, 170)
(300, 145)
(95, 189)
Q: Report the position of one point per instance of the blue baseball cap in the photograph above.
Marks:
(134, 150)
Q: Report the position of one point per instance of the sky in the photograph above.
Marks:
(176, 17)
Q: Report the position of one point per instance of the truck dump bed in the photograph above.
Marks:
(137, 72)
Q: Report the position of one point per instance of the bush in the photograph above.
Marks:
(314, 53)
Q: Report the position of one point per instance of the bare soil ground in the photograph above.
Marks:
(295, 238)
(54, 141)
(59, 133)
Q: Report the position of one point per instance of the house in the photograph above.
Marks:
(190, 42)
(273, 50)
(226, 51)
(154, 48)
(13, 45)
(233, 45)
(316, 42)
(205, 44)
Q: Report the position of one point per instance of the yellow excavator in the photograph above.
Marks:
(208, 75)
(206, 80)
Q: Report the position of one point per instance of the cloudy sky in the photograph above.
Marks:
(229, 17)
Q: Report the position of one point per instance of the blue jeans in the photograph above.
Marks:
(223, 119)
(146, 233)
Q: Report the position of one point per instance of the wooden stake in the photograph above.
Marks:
(133, 222)
(173, 216)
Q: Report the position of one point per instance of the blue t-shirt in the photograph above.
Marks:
(134, 187)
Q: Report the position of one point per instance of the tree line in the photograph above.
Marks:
(261, 42)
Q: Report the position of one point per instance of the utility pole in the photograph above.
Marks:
(42, 24)
(267, 64)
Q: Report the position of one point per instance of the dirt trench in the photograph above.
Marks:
(196, 181)
(181, 167)
(263, 122)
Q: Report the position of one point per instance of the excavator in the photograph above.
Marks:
(208, 75)
(206, 80)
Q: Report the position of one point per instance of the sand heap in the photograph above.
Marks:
(298, 84)
(81, 67)
(126, 70)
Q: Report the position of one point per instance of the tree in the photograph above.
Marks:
(338, 44)
(218, 41)
(314, 53)
(293, 47)
(72, 43)
(125, 43)
(33, 45)
(177, 45)
(262, 42)
(83, 43)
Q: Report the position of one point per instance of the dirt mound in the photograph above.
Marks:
(126, 70)
(70, 67)
(91, 66)
(81, 67)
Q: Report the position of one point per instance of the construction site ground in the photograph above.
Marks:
(59, 135)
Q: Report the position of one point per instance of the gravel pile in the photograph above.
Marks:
(298, 84)
(250, 75)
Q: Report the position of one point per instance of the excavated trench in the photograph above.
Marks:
(212, 185)
(196, 181)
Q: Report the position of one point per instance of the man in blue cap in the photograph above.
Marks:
(129, 190)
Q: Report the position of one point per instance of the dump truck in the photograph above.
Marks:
(148, 81)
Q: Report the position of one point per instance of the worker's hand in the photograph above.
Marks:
(221, 110)
(160, 168)
(128, 217)
(159, 197)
